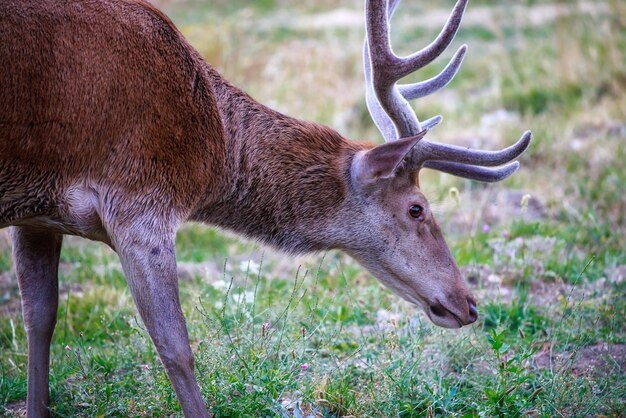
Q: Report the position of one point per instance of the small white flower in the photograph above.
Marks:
(245, 297)
(250, 266)
(220, 284)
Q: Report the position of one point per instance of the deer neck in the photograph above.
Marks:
(285, 180)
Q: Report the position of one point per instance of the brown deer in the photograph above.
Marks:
(113, 128)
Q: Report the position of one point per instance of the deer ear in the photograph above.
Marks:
(382, 161)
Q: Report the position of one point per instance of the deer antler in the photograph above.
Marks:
(388, 103)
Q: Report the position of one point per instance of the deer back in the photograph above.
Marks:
(129, 112)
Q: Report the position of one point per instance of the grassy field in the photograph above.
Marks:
(282, 336)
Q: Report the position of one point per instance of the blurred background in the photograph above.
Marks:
(555, 67)
(316, 335)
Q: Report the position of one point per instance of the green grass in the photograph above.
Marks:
(274, 335)
(5, 259)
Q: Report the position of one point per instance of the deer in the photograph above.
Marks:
(115, 129)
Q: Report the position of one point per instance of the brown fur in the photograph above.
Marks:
(170, 147)
(64, 120)
(113, 128)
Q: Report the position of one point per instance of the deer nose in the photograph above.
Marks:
(473, 312)
(454, 317)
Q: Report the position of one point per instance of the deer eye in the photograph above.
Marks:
(416, 211)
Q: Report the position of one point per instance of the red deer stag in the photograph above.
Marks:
(113, 128)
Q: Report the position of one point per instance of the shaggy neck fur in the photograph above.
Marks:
(285, 180)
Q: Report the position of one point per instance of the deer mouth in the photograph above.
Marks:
(439, 313)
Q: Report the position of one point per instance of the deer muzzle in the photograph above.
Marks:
(449, 314)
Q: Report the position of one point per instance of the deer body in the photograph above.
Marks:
(90, 156)
(77, 146)
(112, 127)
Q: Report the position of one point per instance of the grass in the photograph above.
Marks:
(285, 336)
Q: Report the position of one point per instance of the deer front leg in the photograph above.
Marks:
(36, 255)
(149, 263)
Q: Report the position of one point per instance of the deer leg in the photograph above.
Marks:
(149, 263)
(36, 254)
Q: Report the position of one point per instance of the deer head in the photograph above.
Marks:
(399, 240)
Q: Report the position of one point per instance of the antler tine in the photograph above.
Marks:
(489, 175)
(382, 121)
(426, 55)
(434, 151)
(391, 8)
(424, 88)
(386, 101)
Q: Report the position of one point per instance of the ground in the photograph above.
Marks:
(316, 335)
